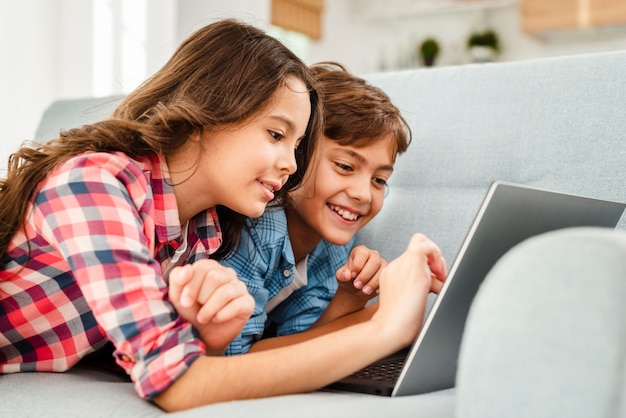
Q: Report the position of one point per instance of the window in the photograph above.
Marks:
(119, 45)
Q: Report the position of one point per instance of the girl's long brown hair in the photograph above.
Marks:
(219, 76)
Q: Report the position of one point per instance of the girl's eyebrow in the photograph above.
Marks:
(290, 125)
(361, 159)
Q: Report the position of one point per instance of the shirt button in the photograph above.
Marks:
(286, 273)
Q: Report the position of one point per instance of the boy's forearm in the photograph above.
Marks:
(316, 330)
(342, 304)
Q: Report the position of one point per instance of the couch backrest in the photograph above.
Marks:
(69, 113)
(556, 123)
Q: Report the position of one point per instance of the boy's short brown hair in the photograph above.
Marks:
(355, 112)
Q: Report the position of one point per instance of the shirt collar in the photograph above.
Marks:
(166, 219)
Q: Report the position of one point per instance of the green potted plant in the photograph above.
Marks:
(428, 51)
(483, 46)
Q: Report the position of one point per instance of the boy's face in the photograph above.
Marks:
(345, 190)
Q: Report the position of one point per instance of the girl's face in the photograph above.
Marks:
(344, 191)
(242, 167)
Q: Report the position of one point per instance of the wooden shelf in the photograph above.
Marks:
(540, 16)
(376, 10)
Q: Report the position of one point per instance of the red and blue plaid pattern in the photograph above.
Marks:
(100, 231)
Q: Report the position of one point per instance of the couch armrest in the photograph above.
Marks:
(546, 334)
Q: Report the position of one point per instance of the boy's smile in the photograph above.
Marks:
(344, 213)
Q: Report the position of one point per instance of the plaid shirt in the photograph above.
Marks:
(265, 262)
(100, 231)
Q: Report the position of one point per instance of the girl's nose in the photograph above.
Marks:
(288, 162)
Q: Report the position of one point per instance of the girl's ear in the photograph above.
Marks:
(200, 138)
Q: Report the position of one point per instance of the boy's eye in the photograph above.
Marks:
(380, 182)
(343, 167)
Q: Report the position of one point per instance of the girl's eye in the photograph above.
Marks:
(276, 135)
(343, 167)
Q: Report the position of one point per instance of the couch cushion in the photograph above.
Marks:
(88, 392)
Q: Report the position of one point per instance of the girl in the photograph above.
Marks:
(105, 221)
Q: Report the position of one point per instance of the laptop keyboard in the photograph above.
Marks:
(382, 371)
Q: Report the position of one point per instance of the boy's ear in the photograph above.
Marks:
(197, 136)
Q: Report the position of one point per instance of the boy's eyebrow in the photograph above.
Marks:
(361, 159)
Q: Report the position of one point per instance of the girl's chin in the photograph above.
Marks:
(256, 214)
(253, 212)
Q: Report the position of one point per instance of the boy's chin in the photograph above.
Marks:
(339, 239)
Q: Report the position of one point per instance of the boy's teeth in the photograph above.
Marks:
(344, 213)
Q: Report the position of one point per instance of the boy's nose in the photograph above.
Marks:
(360, 189)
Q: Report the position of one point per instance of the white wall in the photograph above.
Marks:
(361, 34)
(47, 52)
(41, 45)
(195, 13)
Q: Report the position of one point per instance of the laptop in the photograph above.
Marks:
(509, 214)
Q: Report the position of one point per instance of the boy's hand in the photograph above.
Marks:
(213, 299)
(360, 275)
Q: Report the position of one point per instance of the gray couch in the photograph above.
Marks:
(546, 334)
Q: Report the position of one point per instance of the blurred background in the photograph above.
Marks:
(60, 49)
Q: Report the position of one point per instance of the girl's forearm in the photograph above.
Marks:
(300, 367)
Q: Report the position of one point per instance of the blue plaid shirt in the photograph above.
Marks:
(264, 260)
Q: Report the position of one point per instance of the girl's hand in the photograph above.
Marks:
(361, 273)
(213, 299)
(419, 270)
